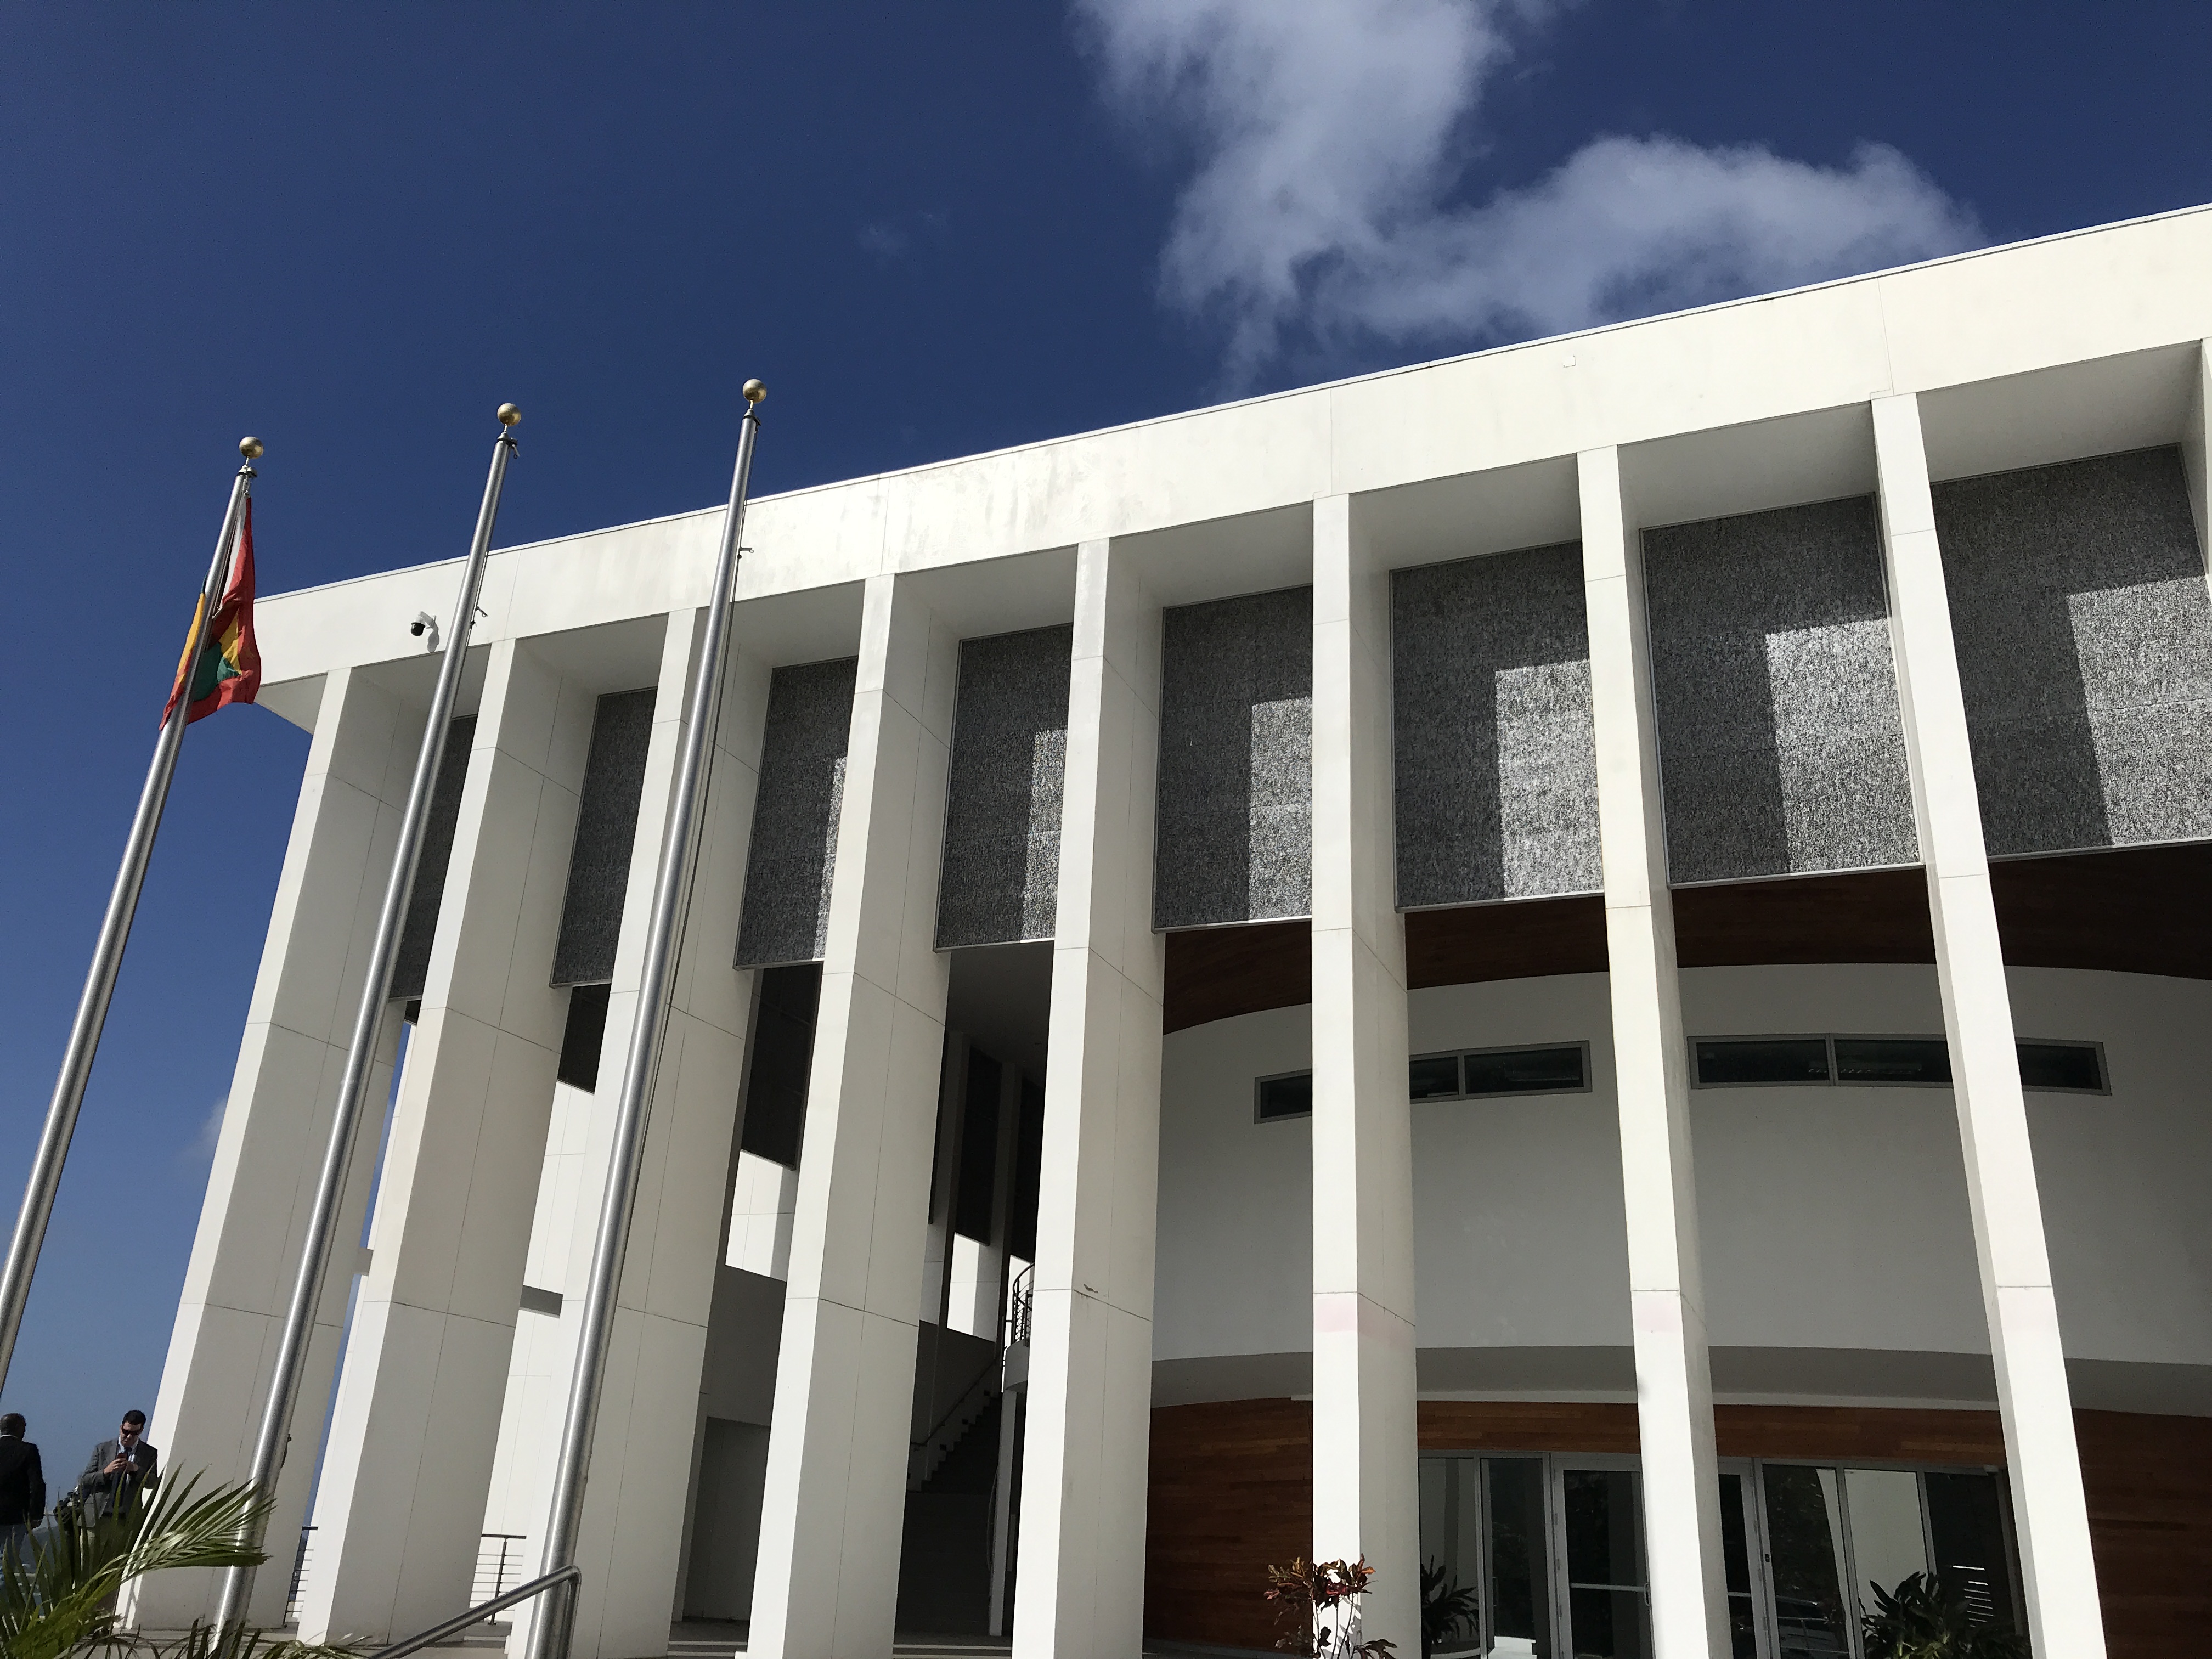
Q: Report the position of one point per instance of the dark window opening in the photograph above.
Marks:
(581, 1041)
(1288, 1096)
(1723, 1061)
(2071, 1067)
(782, 1053)
(1892, 1059)
(1028, 1165)
(1434, 1077)
(973, 1204)
(1561, 1070)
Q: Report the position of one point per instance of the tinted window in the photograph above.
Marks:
(1284, 1096)
(2061, 1066)
(1762, 1060)
(1525, 1071)
(1434, 1077)
(1892, 1059)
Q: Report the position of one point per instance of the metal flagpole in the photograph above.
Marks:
(550, 1633)
(114, 933)
(353, 1086)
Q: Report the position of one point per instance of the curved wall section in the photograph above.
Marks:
(1838, 1259)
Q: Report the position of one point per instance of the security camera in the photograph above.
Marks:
(424, 622)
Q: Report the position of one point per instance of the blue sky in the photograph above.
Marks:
(931, 230)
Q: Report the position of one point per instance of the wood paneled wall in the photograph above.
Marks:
(2132, 910)
(1231, 1494)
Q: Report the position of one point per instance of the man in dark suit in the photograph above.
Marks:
(23, 1487)
(120, 1469)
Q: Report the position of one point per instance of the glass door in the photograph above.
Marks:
(1746, 1607)
(1601, 1534)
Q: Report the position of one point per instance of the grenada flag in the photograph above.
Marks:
(230, 668)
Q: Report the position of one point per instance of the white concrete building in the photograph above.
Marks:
(1582, 967)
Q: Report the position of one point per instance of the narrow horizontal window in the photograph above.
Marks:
(1290, 1095)
(1433, 1077)
(1892, 1059)
(1725, 1061)
(1564, 1069)
(2062, 1067)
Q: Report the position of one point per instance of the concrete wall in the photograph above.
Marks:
(1834, 1218)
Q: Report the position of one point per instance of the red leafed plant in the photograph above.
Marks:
(1321, 1604)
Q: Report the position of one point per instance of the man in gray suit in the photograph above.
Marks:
(120, 1469)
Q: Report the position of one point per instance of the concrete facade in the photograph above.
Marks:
(1752, 658)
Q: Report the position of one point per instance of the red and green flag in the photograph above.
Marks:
(230, 668)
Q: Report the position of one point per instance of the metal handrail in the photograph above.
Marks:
(477, 1615)
(1018, 1306)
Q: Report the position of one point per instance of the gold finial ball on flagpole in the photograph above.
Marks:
(755, 391)
(251, 448)
(508, 414)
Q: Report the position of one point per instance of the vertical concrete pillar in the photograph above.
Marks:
(410, 1457)
(2196, 451)
(1080, 1577)
(1673, 1377)
(2050, 1515)
(1365, 1460)
(269, 1156)
(827, 1583)
(630, 1547)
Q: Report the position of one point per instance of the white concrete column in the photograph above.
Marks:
(827, 1583)
(1080, 1577)
(1674, 1378)
(269, 1156)
(2050, 1515)
(1366, 1500)
(410, 1457)
(631, 1544)
(2196, 451)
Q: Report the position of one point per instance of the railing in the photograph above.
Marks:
(499, 1559)
(1019, 1304)
(477, 1615)
(299, 1577)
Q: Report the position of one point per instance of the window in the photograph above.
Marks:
(2064, 1067)
(1544, 1553)
(1288, 1095)
(1486, 1073)
(1722, 1062)
(1921, 1061)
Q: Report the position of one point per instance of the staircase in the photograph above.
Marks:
(923, 1459)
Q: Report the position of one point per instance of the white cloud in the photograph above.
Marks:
(1330, 136)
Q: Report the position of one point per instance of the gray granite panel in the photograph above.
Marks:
(794, 854)
(412, 967)
(1495, 764)
(607, 825)
(1000, 881)
(1781, 748)
(1236, 780)
(2084, 634)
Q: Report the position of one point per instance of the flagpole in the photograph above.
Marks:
(552, 1630)
(30, 1235)
(353, 1086)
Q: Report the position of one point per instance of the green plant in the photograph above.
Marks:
(1447, 1609)
(1923, 1618)
(60, 1600)
(1320, 1603)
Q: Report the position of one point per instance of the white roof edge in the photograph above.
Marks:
(1258, 398)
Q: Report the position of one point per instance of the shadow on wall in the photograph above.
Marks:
(1781, 746)
(2084, 636)
(1495, 761)
(1235, 780)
